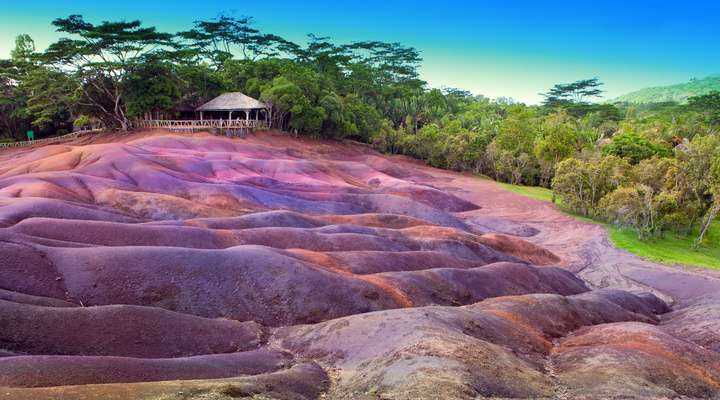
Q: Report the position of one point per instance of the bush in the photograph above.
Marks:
(82, 121)
(640, 207)
(580, 184)
(634, 148)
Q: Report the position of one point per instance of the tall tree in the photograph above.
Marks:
(50, 95)
(574, 93)
(557, 141)
(224, 37)
(102, 57)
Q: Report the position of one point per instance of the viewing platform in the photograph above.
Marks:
(232, 127)
(233, 114)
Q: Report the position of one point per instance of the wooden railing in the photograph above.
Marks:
(241, 125)
(201, 124)
(46, 141)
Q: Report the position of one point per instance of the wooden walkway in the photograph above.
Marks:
(46, 141)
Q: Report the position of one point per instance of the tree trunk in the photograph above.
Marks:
(124, 124)
(706, 223)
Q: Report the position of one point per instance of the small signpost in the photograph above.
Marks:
(31, 135)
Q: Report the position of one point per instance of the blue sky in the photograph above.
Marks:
(496, 48)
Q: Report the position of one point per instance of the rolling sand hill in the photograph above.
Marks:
(162, 266)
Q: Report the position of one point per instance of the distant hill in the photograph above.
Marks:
(678, 92)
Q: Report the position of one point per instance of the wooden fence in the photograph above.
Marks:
(201, 124)
(232, 126)
(50, 140)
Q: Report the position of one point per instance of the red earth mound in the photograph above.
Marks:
(159, 266)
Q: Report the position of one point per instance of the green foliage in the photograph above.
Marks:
(284, 98)
(50, 97)
(580, 184)
(82, 121)
(634, 148)
(151, 87)
(557, 141)
(671, 248)
(708, 105)
(650, 201)
(217, 40)
(103, 57)
(572, 94)
(33, 95)
(197, 84)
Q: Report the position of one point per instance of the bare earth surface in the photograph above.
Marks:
(162, 266)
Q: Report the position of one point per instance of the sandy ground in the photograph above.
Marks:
(584, 247)
(204, 267)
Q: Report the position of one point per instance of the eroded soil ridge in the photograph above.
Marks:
(161, 266)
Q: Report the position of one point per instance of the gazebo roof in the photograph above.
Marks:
(232, 101)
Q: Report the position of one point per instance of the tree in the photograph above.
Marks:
(578, 92)
(197, 85)
(648, 201)
(557, 141)
(634, 148)
(33, 95)
(365, 118)
(514, 146)
(580, 184)
(50, 98)
(715, 207)
(289, 107)
(23, 54)
(14, 120)
(394, 63)
(102, 57)
(219, 39)
(151, 87)
(708, 105)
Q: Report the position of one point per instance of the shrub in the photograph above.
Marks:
(634, 148)
(580, 184)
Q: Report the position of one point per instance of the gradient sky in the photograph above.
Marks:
(495, 48)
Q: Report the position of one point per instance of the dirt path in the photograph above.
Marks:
(584, 247)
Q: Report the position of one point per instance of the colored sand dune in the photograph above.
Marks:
(160, 266)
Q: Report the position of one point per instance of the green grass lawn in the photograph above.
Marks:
(534, 192)
(671, 249)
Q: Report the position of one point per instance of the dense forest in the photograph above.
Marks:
(653, 167)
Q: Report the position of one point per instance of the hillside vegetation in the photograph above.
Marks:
(671, 248)
(672, 93)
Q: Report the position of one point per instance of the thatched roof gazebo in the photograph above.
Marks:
(228, 103)
(233, 113)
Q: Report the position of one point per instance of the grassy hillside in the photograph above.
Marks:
(671, 249)
(679, 92)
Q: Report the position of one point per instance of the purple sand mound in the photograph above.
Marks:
(157, 266)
